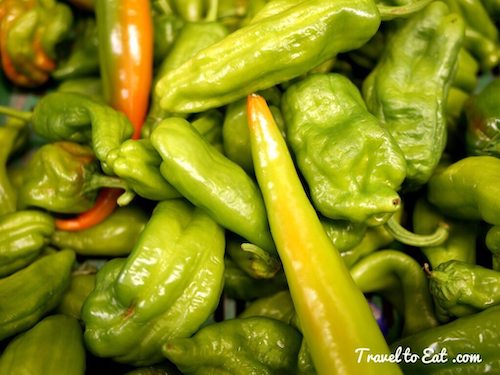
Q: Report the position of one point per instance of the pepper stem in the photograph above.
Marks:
(389, 12)
(418, 240)
(16, 113)
(212, 11)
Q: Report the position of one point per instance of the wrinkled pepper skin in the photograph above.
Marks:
(240, 346)
(167, 287)
(468, 189)
(32, 292)
(113, 237)
(138, 163)
(252, 58)
(388, 269)
(461, 288)
(12, 136)
(351, 164)
(62, 177)
(80, 287)
(64, 116)
(23, 235)
(407, 89)
(211, 181)
(476, 333)
(53, 346)
(482, 113)
(30, 33)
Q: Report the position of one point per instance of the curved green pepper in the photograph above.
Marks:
(468, 189)
(168, 286)
(461, 288)
(336, 141)
(407, 89)
(32, 292)
(23, 236)
(211, 181)
(53, 346)
(240, 346)
(63, 177)
(387, 269)
(482, 114)
(475, 334)
(81, 285)
(115, 236)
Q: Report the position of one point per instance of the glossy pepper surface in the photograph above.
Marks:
(81, 285)
(32, 292)
(336, 141)
(310, 261)
(23, 235)
(30, 33)
(63, 177)
(53, 346)
(168, 286)
(114, 236)
(211, 181)
(477, 333)
(253, 345)
(407, 89)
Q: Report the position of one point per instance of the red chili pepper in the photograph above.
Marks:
(125, 30)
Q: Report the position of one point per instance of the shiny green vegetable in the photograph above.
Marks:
(23, 235)
(167, 287)
(81, 285)
(32, 292)
(407, 89)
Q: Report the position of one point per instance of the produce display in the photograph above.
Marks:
(249, 187)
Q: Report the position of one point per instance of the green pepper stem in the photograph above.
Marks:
(389, 12)
(418, 240)
(98, 181)
(212, 11)
(16, 113)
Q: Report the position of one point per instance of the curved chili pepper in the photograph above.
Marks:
(320, 284)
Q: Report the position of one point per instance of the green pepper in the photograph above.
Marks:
(468, 189)
(83, 58)
(492, 241)
(53, 346)
(81, 285)
(138, 163)
(388, 269)
(475, 335)
(482, 113)
(211, 181)
(407, 89)
(115, 236)
(240, 346)
(167, 287)
(239, 285)
(90, 86)
(278, 306)
(321, 286)
(461, 288)
(166, 27)
(192, 38)
(252, 58)
(466, 76)
(63, 177)
(31, 31)
(336, 141)
(194, 10)
(12, 135)
(23, 236)
(209, 125)
(344, 234)
(69, 116)
(32, 292)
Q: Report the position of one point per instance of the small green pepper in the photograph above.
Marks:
(461, 288)
(115, 236)
(167, 287)
(53, 346)
(32, 292)
(240, 346)
(475, 335)
(407, 89)
(81, 285)
(23, 236)
(63, 177)
(211, 181)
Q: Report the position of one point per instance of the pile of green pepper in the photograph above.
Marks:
(249, 187)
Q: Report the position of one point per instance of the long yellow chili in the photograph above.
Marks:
(334, 315)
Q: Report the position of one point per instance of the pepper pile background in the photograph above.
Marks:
(169, 169)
